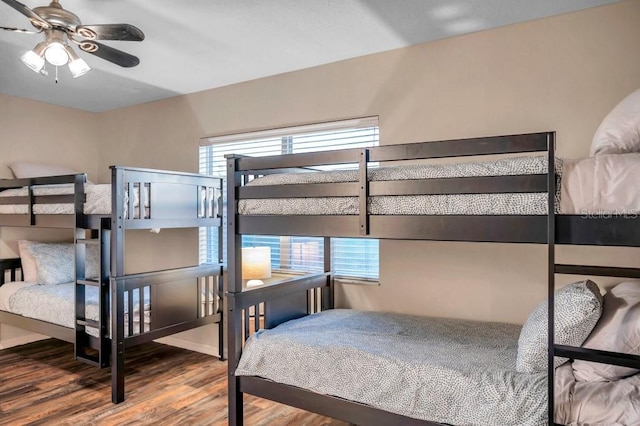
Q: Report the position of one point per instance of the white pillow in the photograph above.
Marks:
(55, 262)
(618, 331)
(619, 132)
(577, 309)
(23, 170)
(27, 262)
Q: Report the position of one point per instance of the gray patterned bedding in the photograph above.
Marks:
(438, 369)
(443, 370)
(98, 200)
(55, 304)
(465, 204)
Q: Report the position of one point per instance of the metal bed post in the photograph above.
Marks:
(81, 342)
(104, 241)
(220, 287)
(363, 192)
(328, 293)
(117, 286)
(234, 286)
(551, 266)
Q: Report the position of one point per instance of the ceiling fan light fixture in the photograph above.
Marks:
(77, 65)
(59, 27)
(56, 54)
(34, 59)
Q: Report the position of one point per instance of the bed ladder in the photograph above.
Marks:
(89, 349)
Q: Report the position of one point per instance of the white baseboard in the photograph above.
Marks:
(189, 344)
(169, 340)
(21, 340)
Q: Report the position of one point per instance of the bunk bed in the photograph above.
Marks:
(110, 310)
(272, 320)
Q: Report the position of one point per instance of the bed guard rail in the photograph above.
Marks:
(366, 225)
(194, 294)
(9, 269)
(76, 197)
(272, 304)
(181, 299)
(148, 198)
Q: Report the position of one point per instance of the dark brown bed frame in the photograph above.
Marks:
(181, 298)
(308, 294)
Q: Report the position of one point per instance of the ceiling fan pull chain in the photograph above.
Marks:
(56, 75)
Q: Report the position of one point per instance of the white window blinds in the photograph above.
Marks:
(351, 257)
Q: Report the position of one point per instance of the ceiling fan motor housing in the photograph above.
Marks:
(56, 16)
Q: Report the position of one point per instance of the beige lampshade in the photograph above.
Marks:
(256, 263)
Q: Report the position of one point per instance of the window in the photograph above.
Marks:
(352, 257)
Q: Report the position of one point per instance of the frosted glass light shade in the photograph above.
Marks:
(33, 60)
(78, 67)
(56, 54)
(256, 264)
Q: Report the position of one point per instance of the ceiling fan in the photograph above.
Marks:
(61, 26)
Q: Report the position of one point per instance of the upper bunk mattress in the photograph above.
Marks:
(438, 369)
(605, 184)
(98, 200)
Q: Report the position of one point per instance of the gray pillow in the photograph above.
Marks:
(618, 330)
(55, 262)
(578, 307)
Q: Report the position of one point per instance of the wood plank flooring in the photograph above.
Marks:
(41, 384)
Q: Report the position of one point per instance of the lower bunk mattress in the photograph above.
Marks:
(56, 304)
(442, 370)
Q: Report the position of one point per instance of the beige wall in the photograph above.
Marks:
(38, 132)
(562, 73)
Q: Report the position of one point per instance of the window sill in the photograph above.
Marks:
(357, 281)
(279, 274)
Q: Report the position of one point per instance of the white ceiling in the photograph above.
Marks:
(194, 45)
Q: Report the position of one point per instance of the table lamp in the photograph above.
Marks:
(256, 265)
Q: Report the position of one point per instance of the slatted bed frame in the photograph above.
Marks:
(181, 298)
(311, 293)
